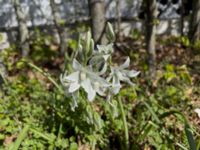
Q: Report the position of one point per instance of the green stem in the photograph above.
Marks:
(123, 115)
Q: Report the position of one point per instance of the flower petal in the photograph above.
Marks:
(75, 99)
(100, 91)
(197, 110)
(101, 48)
(116, 88)
(127, 80)
(126, 63)
(133, 73)
(103, 70)
(76, 65)
(96, 78)
(115, 80)
(73, 77)
(105, 57)
(106, 49)
(87, 86)
(63, 80)
(120, 75)
(74, 87)
(98, 64)
(109, 95)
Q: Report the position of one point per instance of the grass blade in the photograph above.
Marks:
(173, 112)
(181, 146)
(46, 137)
(20, 138)
(47, 75)
(190, 137)
(152, 112)
(198, 145)
(145, 132)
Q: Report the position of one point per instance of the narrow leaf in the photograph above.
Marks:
(152, 112)
(20, 138)
(190, 137)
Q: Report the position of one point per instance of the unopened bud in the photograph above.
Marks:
(110, 32)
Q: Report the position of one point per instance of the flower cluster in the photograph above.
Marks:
(94, 73)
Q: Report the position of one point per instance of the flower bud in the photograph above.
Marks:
(110, 32)
(87, 42)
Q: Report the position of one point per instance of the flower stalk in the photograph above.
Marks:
(125, 125)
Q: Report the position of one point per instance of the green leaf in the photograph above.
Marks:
(97, 120)
(44, 136)
(181, 146)
(169, 76)
(2, 136)
(198, 145)
(72, 44)
(190, 137)
(47, 75)
(169, 67)
(185, 41)
(145, 132)
(152, 112)
(20, 138)
(73, 146)
(171, 90)
(172, 112)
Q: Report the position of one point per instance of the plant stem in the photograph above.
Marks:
(123, 115)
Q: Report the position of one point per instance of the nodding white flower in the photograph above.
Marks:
(66, 84)
(120, 73)
(98, 64)
(197, 110)
(105, 49)
(100, 58)
(86, 79)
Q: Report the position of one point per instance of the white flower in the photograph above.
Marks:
(100, 58)
(86, 79)
(105, 49)
(197, 110)
(121, 74)
(98, 64)
(66, 85)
